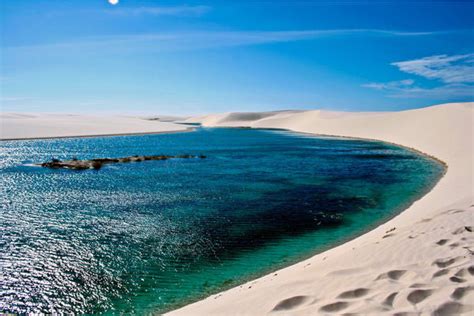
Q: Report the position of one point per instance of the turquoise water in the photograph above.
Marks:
(151, 236)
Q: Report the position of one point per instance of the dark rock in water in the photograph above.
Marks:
(76, 164)
(96, 165)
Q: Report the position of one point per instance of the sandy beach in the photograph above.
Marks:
(31, 125)
(418, 263)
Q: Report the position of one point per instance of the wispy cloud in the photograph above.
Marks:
(442, 92)
(14, 99)
(389, 85)
(456, 73)
(449, 69)
(200, 40)
(183, 10)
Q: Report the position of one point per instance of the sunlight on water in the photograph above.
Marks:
(142, 237)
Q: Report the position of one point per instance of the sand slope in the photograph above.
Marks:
(420, 262)
(24, 126)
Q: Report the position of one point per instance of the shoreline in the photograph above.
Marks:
(362, 139)
(324, 282)
(343, 137)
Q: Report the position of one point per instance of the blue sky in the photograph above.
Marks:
(173, 57)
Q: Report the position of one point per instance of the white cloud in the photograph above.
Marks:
(447, 91)
(183, 10)
(449, 69)
(389, 85)
(456, 72)
(441, 92)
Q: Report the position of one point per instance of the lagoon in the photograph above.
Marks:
(149, 237)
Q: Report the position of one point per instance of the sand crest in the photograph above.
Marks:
(30, 125)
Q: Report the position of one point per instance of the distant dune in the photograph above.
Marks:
(26, 126)
(420, 262)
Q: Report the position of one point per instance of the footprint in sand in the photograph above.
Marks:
(290, 303)
(443, 263)
(441, 242)
(354, 293)
(471, 252)
(458, 231)
(449, 308)
(418, 285)
(425, 220)
(334, 307)
(454, 245)
(463, 229)
(453, 211)
(346, 271)
(461, 273)
(471, 270)
(460, 292)
(418, 296)
(392, 275)
(440, 273)
(389, 299)
(455, 279)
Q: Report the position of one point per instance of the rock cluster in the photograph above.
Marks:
(77, 164)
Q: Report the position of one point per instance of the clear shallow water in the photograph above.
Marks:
(150, 236)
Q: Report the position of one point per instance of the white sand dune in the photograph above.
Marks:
(420, 262)
(29, 125)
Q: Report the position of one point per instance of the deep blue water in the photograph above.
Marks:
(150, 236)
